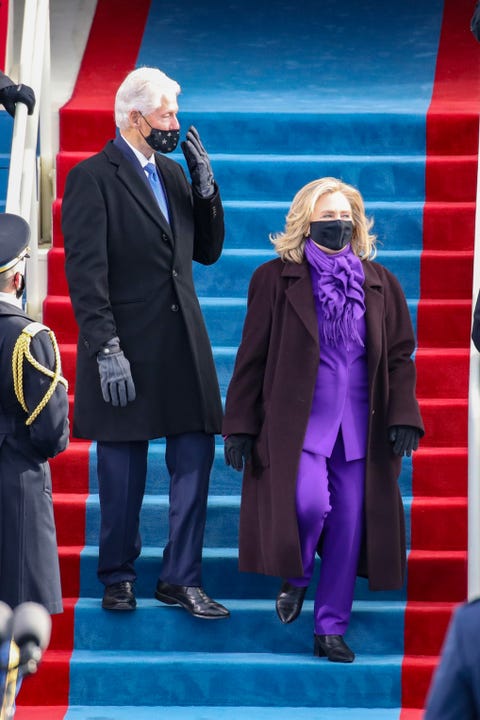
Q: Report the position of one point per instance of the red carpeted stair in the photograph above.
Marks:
(437, 569)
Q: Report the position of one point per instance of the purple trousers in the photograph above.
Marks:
(330, 495)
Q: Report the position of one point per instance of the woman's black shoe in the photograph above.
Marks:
(289, 602)
(333, 647)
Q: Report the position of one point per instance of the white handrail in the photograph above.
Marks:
(25, 180)
(474, 429)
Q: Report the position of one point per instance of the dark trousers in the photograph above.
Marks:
(122, 470)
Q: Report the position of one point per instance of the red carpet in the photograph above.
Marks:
(437, 564)
(86, 121)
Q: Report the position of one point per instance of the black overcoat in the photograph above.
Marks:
(130, 275)
(270, 396)
(29, 568)
(5, 81)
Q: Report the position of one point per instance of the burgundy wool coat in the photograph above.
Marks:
(270, 397)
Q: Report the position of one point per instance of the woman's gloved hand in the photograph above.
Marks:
(405, 439)
(238, 450)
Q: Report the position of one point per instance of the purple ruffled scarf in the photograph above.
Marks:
(337, 283)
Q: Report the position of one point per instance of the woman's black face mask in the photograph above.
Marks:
(332, 234)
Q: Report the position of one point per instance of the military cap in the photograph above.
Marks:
(14, 237)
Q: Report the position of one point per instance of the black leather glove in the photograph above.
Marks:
(10, 95)
(198, 163)
(238, 449)
(115, 376)
(404, 438)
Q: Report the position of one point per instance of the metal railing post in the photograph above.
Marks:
(474, 428)
(29, 181)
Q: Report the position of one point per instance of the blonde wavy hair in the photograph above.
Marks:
(290, 243)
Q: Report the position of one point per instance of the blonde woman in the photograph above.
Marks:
(320, 409)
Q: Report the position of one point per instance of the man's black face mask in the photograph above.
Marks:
(164, 141)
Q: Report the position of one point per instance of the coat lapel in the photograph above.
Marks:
(300, 295)
(132, 176)
(374, 315)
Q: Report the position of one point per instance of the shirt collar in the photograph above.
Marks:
(140, 156)
(11, 299)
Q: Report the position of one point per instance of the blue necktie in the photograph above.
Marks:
(154, 181)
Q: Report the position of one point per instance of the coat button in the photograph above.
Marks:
(174, 307)
(164, 237)
(174, 273)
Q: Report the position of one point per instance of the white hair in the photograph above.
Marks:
(144, 89)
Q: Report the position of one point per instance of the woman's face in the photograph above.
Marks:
(331, 206)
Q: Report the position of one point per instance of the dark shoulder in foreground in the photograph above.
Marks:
(269, 270)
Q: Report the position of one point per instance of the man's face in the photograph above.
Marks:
(164, 117)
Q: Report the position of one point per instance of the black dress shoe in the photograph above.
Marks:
(194, 599)
(119, 596)
(333, 647)
(289, 602)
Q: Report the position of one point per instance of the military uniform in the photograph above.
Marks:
(455, 688)
(33, 427)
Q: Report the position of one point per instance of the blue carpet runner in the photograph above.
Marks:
(280, 94)
(241, 67)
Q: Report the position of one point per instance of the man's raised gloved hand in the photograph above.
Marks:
(115, 375)
(237, 450)
(405, 439)
(198, 163)
(10, 95)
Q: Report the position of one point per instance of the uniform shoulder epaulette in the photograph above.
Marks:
(21, 353)
(33, 328)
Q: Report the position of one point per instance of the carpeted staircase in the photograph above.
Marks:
(386, 98)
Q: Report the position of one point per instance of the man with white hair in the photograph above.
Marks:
(132, 225)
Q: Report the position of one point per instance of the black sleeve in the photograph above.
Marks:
(5, 81)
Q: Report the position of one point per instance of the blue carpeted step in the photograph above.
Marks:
(4, 166)
(223, 481)
(250, 58)
(222, 520)
(235, 267)
(6, 129)
(221, 529)
(221, 577)
(232, 678)
(224, 318)
(279, 177)
(364, 131)
(397, 224)
(253, 626)
(189, 712)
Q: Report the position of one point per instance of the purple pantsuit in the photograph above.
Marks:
(331, 474)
